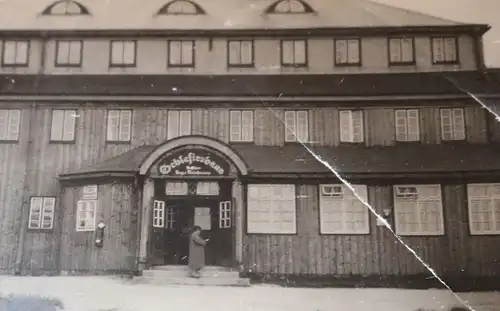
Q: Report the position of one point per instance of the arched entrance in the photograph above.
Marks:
(191, 180)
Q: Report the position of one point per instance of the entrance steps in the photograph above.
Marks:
(179, 275)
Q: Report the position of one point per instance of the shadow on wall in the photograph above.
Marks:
(30, 303)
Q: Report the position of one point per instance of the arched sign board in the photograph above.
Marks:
(193, 162)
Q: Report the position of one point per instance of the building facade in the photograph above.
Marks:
(123, 124)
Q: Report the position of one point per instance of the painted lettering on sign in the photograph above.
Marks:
(194, 163)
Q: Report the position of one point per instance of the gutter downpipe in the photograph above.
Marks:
(29, 153)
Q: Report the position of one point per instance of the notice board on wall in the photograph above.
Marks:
(203, 218)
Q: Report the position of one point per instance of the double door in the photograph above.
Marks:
(173, 220)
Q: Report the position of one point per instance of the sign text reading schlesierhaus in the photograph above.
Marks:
(193, 162)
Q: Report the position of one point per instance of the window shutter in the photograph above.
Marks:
(290, 126)
(353, 51)
(235, 124)
(437, 49)
(35, 213)
(300, 52)
(69, 125)
(395, 50)
(125, 125)
(116, 52)
(345, 126)
(49, 205)
(302, 126)
(458, 124)
(287, 52)
(22, 52)
(401, 125)
(446, 124)
(14, 124)
(75, 50)
(175, 52)
(4, 123)
(450, 49)
(173, 124)
(234, 51)
(63, 52)
(187, 52)
(113, 124)
(129, 53)
(56, 130)
(341, 51)
(158, 214)
(413, 125)
(9, 52)
(247, 125)
(357, 126)
(185, 122)
(246, 52)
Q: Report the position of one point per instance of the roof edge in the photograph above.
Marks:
(324, 31)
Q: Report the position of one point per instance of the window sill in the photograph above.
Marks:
(117, 142)
(62, 142)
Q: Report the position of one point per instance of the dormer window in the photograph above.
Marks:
(181, 7)
(289, 7)
(66, 7)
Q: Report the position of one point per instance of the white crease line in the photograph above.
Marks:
(380, 218)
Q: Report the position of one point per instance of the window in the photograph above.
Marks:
(289, 7)
(176, 188)
(225, 214)
(296, 126)
(452, 124)
(347, 52)
(241, 125)
(407, 125)
(86, 215)
(42, 213)
(10, 124)
(444, 50)
(179, 123)
(181, 53)
(181, 7)
(294, 53)
(271, 209)
(207, 188)
(341, 212)
(401, 51)
(158, 214)
(351, 126)
(65, 7)
(69, 53)
(240, 53)
(15, 53)
(484, 208)
(418, 210)
(63, 125)
(119, 125)
(123, 53)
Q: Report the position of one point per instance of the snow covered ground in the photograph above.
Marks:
(115, 294)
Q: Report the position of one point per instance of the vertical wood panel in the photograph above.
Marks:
(475, 120)
(430, 125)
(324, 126)
(379, 127)
(269, 128)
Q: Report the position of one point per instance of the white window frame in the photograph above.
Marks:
(410, 205)
(441, 53)
(339, 205)
(225, 215)
(184, 49)
(240, 53)
(15, 53)
(241, 125)
(158, 214)
(401, 50)
(452, 123)
(179, 123)
(294, 130)
(490, 200)
(347, 51)
(46, 208)
(121, 130)
(10, 124)
(90, 224)
(351, 126)
(294, 53)
(409, 129)
(69, 53)
(271, 209)
(123, 53)
(63, 125)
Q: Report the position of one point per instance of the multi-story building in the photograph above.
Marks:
(149, 117)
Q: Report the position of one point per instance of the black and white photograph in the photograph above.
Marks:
(254, 155)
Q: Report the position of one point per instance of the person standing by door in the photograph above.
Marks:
(196, 260)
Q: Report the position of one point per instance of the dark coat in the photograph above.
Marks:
(196, 258)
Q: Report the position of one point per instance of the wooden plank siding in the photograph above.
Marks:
(23, 175)
(378, 253)
(115, 209)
